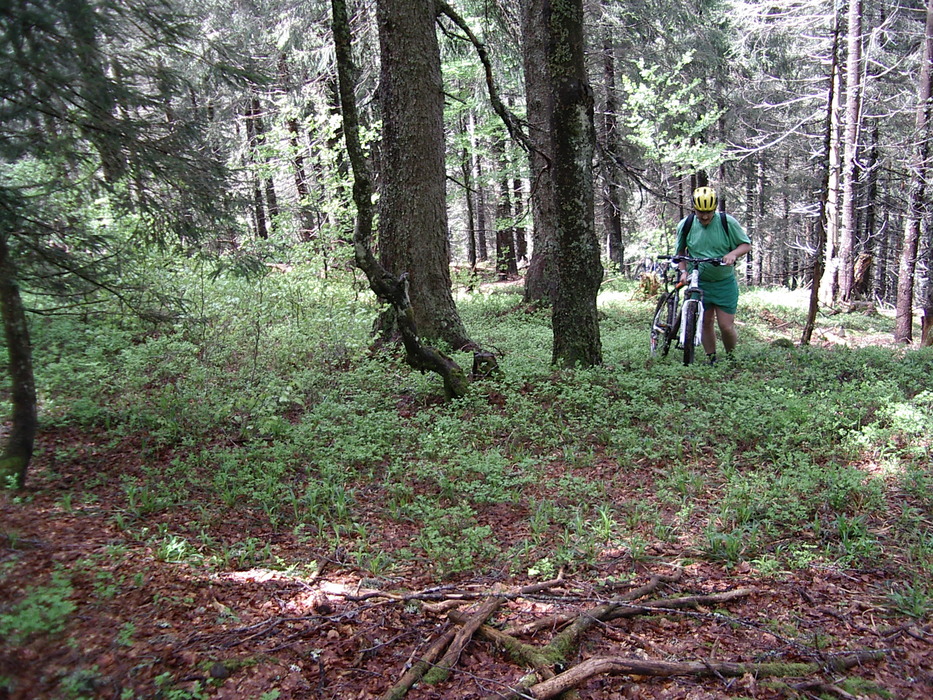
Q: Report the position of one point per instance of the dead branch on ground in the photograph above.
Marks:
(618, 665)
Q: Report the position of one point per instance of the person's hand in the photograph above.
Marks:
(729, 259)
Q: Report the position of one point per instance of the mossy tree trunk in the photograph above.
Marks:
(19, 446)
(573, 139)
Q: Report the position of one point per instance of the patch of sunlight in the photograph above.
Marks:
(781, 296)
(614, 297)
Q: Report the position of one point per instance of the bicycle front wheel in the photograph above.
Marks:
(660, 339)
(691, 318)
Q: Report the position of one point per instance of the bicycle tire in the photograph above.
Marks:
(691, 314)
(673, 322)
(657, 333)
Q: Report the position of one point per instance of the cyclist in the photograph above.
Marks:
(711, 236)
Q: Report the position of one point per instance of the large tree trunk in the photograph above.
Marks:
(915, 207)
(573, 138)
(849, 167)
(393, 289)
(541, 279)
(18, 449)
(413, 202)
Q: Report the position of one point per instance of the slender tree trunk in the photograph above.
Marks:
(305, 220)
(830, 215)
(786, 276)
(413, 204)
(303, 215)
(479, 185)
(17, 452)
(571, 127)
(825, 195)
(915, 207)
(258, 138)
(505, 234)
(611, 199)
(871, 208)
(849, 168)
(466, 171)
(762, 261)
(252, 138)
(751, 223)
(259, 213)
(541, 279)
(881, 266)
(521, 239)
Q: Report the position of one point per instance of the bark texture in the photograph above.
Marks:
(573, 138)
(541, 278)
(823, 223)
(849, 167)
(903, 331)
(413, 199)
(388, 287)
(19, 446)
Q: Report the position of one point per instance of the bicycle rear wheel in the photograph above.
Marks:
(691, 318)
(662, 324)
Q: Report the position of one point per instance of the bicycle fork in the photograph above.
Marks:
(698, 331)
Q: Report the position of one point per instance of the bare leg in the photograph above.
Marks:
(730, 336)
(709, 330)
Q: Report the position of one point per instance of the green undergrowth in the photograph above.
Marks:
(264, 402)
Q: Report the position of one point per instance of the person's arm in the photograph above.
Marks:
(733, 255)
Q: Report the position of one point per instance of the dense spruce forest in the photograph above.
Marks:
(326, 327)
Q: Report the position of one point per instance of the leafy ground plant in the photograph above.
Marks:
(256, 471)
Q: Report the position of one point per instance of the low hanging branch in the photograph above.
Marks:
(510, 120)
(393, 290)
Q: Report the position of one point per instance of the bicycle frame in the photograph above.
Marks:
(684, 321)
(666, 320)
(693, 296)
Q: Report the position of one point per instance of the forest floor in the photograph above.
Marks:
(131, 620)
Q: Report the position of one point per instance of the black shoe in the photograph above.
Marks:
(711, 359)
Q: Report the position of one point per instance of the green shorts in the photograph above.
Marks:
(723, 293)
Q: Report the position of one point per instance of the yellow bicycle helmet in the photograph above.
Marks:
(704, 199)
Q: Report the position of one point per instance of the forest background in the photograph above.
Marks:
(189, 334)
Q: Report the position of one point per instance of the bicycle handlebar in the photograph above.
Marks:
(687, 259)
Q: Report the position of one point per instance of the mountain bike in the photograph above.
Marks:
(673, 320)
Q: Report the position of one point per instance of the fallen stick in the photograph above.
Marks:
(455, 641)
(618, 665)
(568, 639)
(442, 669)
(422, 666)
(555, 621)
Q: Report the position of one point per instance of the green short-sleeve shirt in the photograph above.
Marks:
(711, 242)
